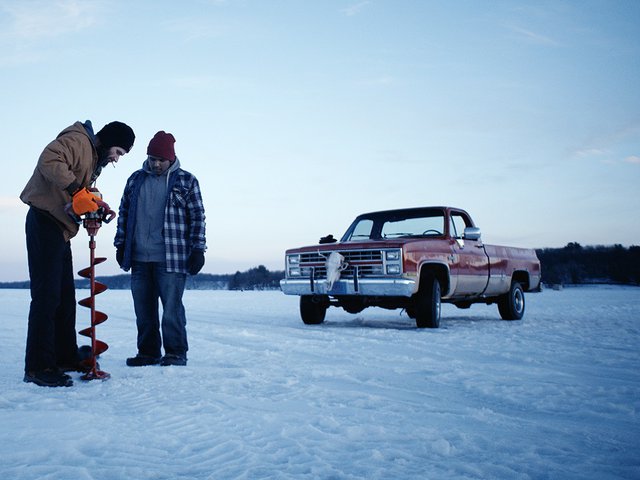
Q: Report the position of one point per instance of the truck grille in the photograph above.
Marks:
(349, 256)
(369, 263)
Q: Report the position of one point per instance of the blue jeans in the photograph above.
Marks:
(150, 281)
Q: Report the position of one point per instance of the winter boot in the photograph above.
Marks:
(170, 359)
(142, 361)
(48, 377)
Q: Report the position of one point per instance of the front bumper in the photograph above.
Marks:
(381, 287)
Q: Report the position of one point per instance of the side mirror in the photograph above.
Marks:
(471, 233)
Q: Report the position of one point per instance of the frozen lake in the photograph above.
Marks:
(554, 396)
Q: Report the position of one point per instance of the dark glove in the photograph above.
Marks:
(120, 255)
(195, 262)
(68, 209)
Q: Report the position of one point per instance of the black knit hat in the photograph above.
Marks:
(116, 134)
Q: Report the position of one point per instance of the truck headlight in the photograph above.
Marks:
(392, 255)
(393, 269)
(294, 259)
(294, 271)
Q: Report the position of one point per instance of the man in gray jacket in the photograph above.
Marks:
(161, 238)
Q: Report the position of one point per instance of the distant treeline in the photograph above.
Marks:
(572, 264)
(575, 264)
(258, 278)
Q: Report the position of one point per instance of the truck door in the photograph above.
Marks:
(472, 262)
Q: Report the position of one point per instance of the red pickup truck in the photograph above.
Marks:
(415, 259)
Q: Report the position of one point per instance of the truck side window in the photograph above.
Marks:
(458, 224)
(453, 231)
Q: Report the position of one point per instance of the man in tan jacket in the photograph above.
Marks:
(58, 195)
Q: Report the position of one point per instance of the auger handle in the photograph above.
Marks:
(108, 215)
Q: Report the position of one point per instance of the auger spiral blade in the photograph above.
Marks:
(86, 272)
(97, 317)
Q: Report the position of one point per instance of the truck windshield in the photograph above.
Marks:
(396, 224)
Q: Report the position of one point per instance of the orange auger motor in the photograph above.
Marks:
(92, 222)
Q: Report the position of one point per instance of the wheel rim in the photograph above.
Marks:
(518, 301)
(438, 302)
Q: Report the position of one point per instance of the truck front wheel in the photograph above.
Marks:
(313, 309)
(511, 305)
(428, 302)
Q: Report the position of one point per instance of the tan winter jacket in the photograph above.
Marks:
(71, 157)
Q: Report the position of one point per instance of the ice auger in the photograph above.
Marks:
(92, 222)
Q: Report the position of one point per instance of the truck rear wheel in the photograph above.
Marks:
(313, 309)
(428, 302)
(511, 305)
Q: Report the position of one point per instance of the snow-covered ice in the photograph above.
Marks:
(554, 396)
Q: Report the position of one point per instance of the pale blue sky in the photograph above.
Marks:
(298, 115)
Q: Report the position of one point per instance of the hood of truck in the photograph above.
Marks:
(363, 245)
